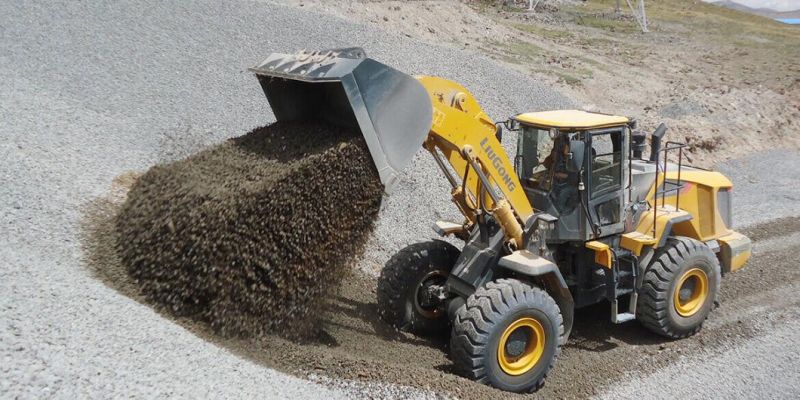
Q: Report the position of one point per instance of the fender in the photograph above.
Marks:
(649, 252)
(668, 229)
(524, 262)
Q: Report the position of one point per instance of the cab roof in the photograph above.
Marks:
(571, 119)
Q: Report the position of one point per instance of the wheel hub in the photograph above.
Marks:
(425, 300)
(521, 346)
(687, 290)
(517, 342)
(691, 292)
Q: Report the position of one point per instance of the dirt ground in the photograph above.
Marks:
(354, 344)
(725, 82)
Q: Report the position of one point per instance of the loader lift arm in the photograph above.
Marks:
(481, 175)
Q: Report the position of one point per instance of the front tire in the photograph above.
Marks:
(507, 335)
(403, 278)
(680, 288)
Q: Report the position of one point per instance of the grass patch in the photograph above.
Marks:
(542, 61)
(520, 52)
(569, 79)
(552, 34)
(606, 22)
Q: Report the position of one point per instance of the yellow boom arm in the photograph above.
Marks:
(481, 173)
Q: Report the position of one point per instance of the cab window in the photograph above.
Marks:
(533, 147)
(606, 163)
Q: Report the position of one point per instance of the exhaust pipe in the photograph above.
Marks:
(655, 142)
(343, 87)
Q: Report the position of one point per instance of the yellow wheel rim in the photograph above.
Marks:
(521, 346)
(691, 292)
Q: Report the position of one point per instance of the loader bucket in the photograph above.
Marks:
(344, 87)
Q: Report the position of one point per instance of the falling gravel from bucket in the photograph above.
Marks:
(249, 235)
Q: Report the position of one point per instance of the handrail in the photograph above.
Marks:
(677, 185)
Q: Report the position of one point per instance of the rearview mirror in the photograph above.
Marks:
(576, 151)
(511, 124)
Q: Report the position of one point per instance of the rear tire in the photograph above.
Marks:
(680, 288)
(507, 335)
(408, 271)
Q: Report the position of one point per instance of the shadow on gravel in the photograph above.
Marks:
(367, 314)
(594, 331)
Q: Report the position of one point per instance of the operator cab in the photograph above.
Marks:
(570, 163)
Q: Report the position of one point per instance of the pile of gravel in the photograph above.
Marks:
(248, 235)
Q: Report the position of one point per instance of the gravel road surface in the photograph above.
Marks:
(765, 367)
(760, 319)
(93, 90)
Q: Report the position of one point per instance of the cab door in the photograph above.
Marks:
(606, 180)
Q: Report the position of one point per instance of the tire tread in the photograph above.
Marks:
(655, 295)
(397, 276)
(476, 316)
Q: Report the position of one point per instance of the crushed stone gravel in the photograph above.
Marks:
(132, 83)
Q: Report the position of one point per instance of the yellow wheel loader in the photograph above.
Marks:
(577, 217)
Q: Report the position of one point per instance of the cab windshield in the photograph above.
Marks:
(534, 146)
